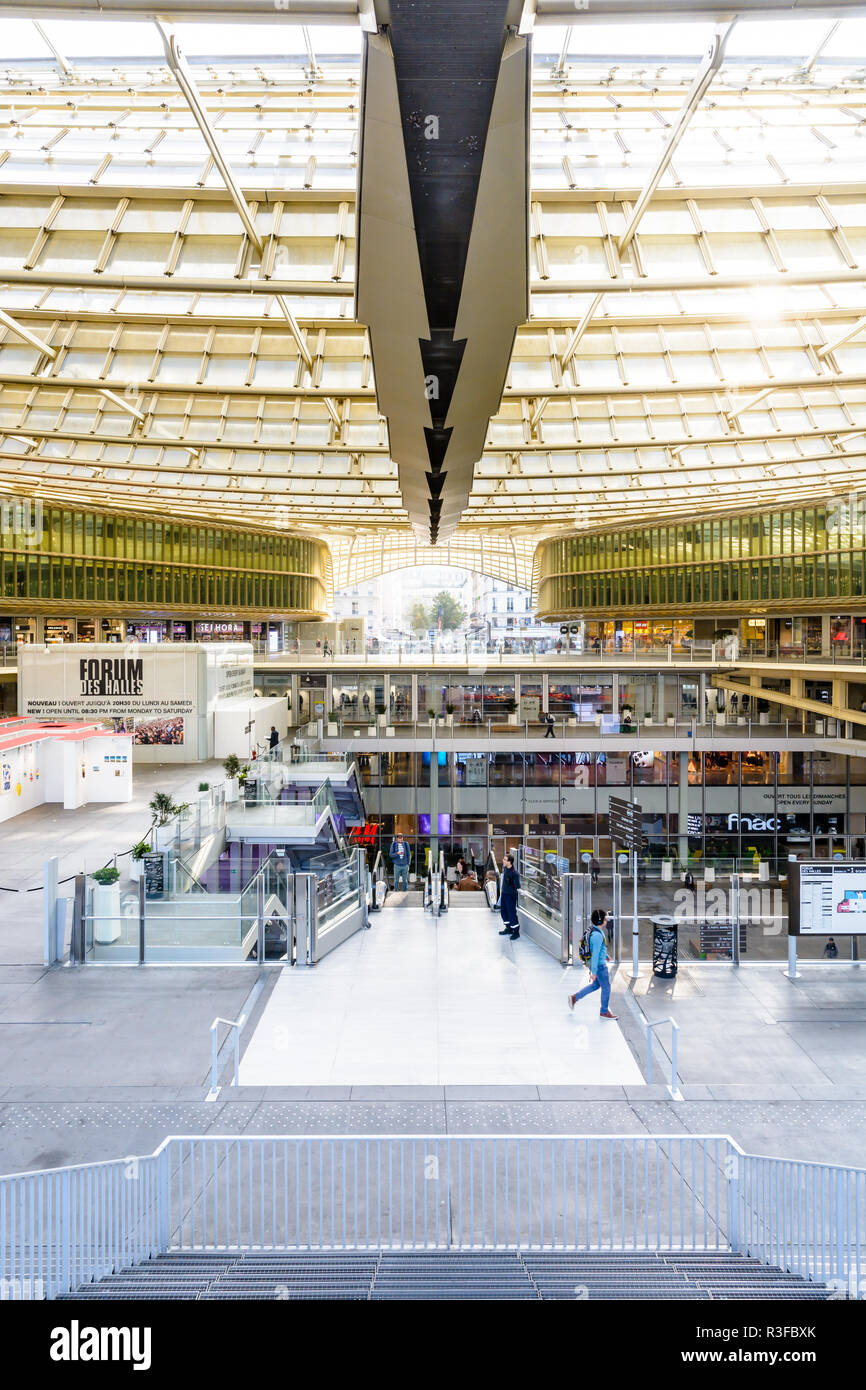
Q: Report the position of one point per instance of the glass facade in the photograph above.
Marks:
(801, 554)
(129, 562)
(750, 805)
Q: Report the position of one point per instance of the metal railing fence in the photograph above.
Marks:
(64, 1227)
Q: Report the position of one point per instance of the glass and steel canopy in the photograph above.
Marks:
(706, 356)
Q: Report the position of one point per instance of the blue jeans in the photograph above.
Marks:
(602, 982)
(401, 876)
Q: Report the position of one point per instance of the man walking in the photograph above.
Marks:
(399, 854)
(597, 964)
(551, 726)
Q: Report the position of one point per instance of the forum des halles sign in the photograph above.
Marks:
(109, 681)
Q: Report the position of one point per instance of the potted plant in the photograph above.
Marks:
(449, 710)
(164, 810)
(232, 770)
(431, 715)
(333, 723)
(136, 867)
(105, 908)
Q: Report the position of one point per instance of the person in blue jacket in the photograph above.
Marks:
(597, 964)
(508, 899)
(399, 854)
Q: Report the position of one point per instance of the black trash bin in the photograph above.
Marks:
(664, 946)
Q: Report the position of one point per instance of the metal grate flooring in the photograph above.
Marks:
(452, 1275)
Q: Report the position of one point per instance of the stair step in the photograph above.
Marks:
(452, 1275)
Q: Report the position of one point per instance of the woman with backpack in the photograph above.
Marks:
(595, 946)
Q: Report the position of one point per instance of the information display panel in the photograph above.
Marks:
(827, 897)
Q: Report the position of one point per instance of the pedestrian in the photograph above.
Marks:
(689, 881)
(595, 869)
(831, 950)
(599, 978)
(399, 855)
(551, 724)
(508, 899)
(274, 738)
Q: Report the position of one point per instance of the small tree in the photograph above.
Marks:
(446, 609)
(164, 808)
(417, 618)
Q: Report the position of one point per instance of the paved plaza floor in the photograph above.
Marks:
(421, 1000)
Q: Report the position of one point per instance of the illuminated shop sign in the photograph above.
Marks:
(754, 823)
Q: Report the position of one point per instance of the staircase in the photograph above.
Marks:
(454, 1275)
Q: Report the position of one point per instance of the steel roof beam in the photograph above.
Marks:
(364, 13)
(703, 78)
(64, 66)
(184, 79)
(21, 332)
(195, 284)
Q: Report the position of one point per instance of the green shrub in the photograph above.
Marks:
(106, 876)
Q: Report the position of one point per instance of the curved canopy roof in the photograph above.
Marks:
(177, 273)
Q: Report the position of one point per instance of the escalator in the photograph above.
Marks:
(436, 891)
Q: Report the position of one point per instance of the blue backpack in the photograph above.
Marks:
(584, 950)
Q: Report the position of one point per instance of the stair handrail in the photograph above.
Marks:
(237, 1025)
(673, 1089)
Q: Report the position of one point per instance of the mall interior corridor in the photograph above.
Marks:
(425, 1001)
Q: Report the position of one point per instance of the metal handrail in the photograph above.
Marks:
(233, 1023)
(673, 1089)
(63, 1228)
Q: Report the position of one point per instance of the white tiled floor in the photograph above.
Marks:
(419, 1001)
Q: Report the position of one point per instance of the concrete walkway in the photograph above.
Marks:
(420, 1000)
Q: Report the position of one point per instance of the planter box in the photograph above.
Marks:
(333, 729)
(389, 730)
(106, 913)
(232, 789)
(667, 871)
(136, 869)
(164, 836)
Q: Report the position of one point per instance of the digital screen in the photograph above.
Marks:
(832, 899)
(444, 822)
